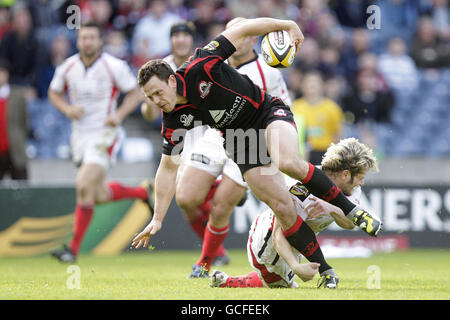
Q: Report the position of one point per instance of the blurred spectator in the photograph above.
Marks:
(360, 43)
(128, 13)
(398, 68)
(13, 127)
(351, 13)
(369, 61)
(441, 18)
(398, 18)
(366, 101)
(5, 24)
(20, 48)
(323, 117)
(329, 32)
(311, 12)
(98, 11)
(329, 64)
(152, 33)
(272, 8)
(309, 56)
(206, 15)
(295, 78)
(428, 50)
(116, 44)
(334, 88)
(243, 8)
(60, 49)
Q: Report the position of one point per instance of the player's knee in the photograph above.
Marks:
(292, 166)
(187, 201)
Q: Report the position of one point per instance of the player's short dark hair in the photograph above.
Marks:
(158, 67)
(91, 24)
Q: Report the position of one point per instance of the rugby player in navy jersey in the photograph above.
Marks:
(208, 90)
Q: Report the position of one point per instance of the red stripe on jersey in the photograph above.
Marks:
(209, 65)
(168, 135)
(261, 73)
(65, 75)
(197, 60)
(184, 106)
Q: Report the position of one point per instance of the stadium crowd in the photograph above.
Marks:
(391, 82)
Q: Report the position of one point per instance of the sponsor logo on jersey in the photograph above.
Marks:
(212, 45)
(186, 119)
(204, 88)
(280, 113)
(227, 117)
(217, 114)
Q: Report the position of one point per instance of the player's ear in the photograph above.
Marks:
(172, 81)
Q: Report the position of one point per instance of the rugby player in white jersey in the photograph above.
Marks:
(274, 260)
(93, 80)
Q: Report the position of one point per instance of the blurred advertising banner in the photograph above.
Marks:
(35, 220)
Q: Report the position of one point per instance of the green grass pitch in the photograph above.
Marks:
(161, 275)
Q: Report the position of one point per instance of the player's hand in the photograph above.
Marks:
(141, 240)
(74, 112)
(296, 36)
(317, 208)
(306, 271)
(113, 120)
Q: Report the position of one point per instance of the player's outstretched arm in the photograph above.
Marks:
(319, 207)
(305, 271)
(164, 192)
(261, 26)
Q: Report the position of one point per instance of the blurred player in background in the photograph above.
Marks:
(274, 260)
(93, 80)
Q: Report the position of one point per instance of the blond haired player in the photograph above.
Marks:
(93, 80)
(274, 260)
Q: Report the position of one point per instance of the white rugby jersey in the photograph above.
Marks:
(95, 88)
(267, 78)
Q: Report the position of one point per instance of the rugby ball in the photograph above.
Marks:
(276, 49)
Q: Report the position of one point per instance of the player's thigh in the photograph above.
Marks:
(193, 186)
(282, 144)
(271, 189)
(228, 194)
(89, 177)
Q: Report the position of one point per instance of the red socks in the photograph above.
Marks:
(212, 240)
(83, 216)
(119, 192)
(250, 280)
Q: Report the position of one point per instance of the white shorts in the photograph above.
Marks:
(99, 147)
(208, 154)
(271, 268)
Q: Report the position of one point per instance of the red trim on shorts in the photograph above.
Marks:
(289, 232)
(310, 173)
(111, 147)
(261, 73)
